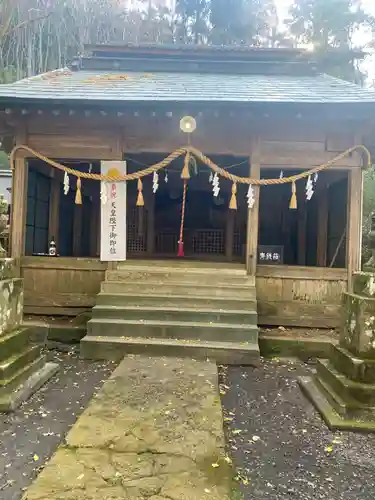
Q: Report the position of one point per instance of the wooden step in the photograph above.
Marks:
(221, 332)
(111, 348)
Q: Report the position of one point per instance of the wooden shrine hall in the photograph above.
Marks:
(255, 113)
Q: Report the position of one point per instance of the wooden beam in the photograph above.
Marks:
(54, 211)
(354, 224)
(323, 208)
(19, 200)
(253, 213)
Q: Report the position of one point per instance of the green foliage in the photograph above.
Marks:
(368, 208)
(324, 25)
(4, 161)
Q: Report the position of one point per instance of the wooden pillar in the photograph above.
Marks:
(323, 208)
(354, 222)
(229, 235)
(253, 213)
(94, 227)
(19, 200)
(54, 210)
(301, 227)
(77, 230)
(150, 242)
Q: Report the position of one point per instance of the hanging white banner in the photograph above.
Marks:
(113, 213)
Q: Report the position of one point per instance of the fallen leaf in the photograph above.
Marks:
(35, 458)
(329, 449)
(237, 431)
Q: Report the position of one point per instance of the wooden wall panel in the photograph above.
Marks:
(302, 297)
(88, 146)
(61, 286)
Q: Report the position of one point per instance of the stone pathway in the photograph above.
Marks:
(154, 432)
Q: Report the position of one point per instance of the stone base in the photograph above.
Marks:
(334, 421)
(23, 368)
(11, 401)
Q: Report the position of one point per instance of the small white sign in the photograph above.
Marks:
(113, 214)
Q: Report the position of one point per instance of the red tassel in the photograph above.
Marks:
(180, 252)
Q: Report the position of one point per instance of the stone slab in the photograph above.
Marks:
(153, 432)
(28, 388)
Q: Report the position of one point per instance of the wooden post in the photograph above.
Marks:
(94, 227)
(253, 213)
(229, 235)
(54, 210)
(19, 200)
(301, 228)
(354, 223)
(77, 230)
(150, 242)
(323, 207)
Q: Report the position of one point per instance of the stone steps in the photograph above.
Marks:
(173, 330)
(17, 378)
(159, 300)
(94, 347)
(177, 308)
(16, 362)
(180, 276)
(194, 289)
(14, 342)
(175, 314)
(353, 393)
(356, 369)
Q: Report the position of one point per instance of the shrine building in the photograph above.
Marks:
(200, 251)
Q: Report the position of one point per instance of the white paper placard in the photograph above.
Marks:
(113, 214)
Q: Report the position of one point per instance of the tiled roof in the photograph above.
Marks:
(90, 86)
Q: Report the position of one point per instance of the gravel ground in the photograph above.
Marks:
(31, 434)
(281, 448)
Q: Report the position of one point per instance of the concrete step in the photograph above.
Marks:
(15, 341)
(221, 332)
(181, 301)
(177, 314)
(355, 394)
(167, 275)
(110, 348)
(196, 290)
(17, 362)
